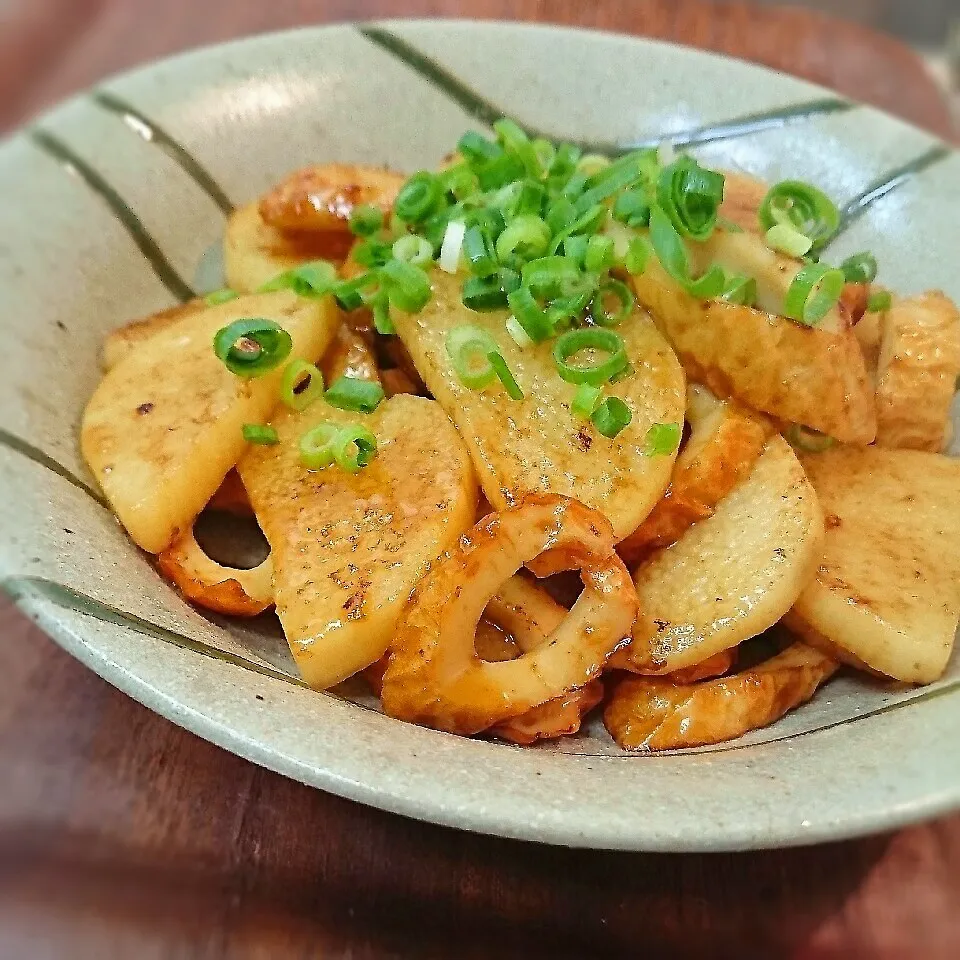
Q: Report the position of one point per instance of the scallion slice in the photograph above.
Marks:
(879, 302)
(740, 290)
(607, 314)
(314, 279)
(353, 448)
(408, 287)
(503, 373)
(632, 208)
(787, 239)
(413, 249)
(354, 394)
(690, 196)
(252, 346)
(637, 256)
(808, 440)
(259, 434)
(316, 446)
(302, 384)
(525, 238)
(802, 206)
(675, 259)
(418, 197)
(365, 220)
(585, 400)
(661, 439)
(813, 293)
(517, 334)
(516, 143)
(452, 244)
(591, 338)
(479, 250)
(529, 315)
(611, 417)
(469, 350)
(216, 297)
(860, 268)
(600, 254)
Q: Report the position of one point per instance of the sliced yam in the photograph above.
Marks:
(202, 580)
(732, 576)
(551, 720)
(322, 197)
(867, 332)
(657, 714)
(725, 441)
(715, 666)
(535, 445)
(887, 589)
(742, 196)
(255, 252)
(124, 340)
(493, 644)
(348, 548)
(435, 677)
(163, 428)
(917, 371)
(349, 356)
(814, 376)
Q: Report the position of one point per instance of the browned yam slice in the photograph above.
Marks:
(715, 666)
(349, 356)
(322, 197)
(657, 714)
(119, 343)
(725, 441)
(555, 718)
(814, 376)
(888, 587)
(163, 428)
(242, 593)
(917, 372)
(348, 548)
(742, 196)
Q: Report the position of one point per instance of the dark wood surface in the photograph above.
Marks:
(123, 836)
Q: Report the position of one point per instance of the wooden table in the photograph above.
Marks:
(123, 836)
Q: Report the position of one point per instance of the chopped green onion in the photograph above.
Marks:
(260, 435)
(517, 333)
(418, 197)
(502, 371)
(565, 161)
(353, 447)
(603, 185)
(632, 208)
(407, 286)
(879, 302)
(592, 163)
(690, 196)
(611, 417)
(516, 143)
(675, 259)
(661, 439)
(349, 293)
(576, 248)
(860, 268)
(354, 394)
(560, 215)
(486, 293)
(302, 384)
(550, 277)
(588, 222)
(740, 290)
(524, 238)
(808, 440)
(452, 245)
(413, 249)
(479, 250)
(585, 400)
(252, 346)
(529, 315)
(637, 256)
(605, 315)
(530, 199)
(365, 220)
(316, 446)
(476, 149)
(217, 297)
(813, 293)
(546, 152)
(593, 338)
(600, 254)
(628, 371)
(788, 240)
(372, 252)
(459, 180)
(466, 345)
(314, 279)
(802, 206)
(564, 309)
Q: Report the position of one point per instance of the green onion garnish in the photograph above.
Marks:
(585, 400)
(813, 293)
(516, 143)
(529, 315)
(524, 238)
(637, 256)
(573, 341)
(365, 220)
(380, 310)
(217, 297)
(259, 434)
(675, 259)
(353, 448)
(302, 384)
(350, 293)
(413, 249)
(860, 268)
(632, 208)
(879, 302)
(740, 290)
(690, 196)
(802, 206)
(469, 350)
(611, 417)
(408, 287)
(517, 334)
(661, 439)
(351, 393)
(788, 240)
(485, 293)
(502, 371)
(316, 446)
(600, 254)
(418, 198)
(314, 279)
(575, 247)
(605, 314)
(252, 346)
(807, 439)
(592, 163)
(479, 250)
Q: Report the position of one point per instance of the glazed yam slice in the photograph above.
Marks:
(732, 576)
(120, 343)
(814, 376)
(888, 587)
(917, 372)
(347, 548)
(647, 713)
(163, 428)
(535, 445)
